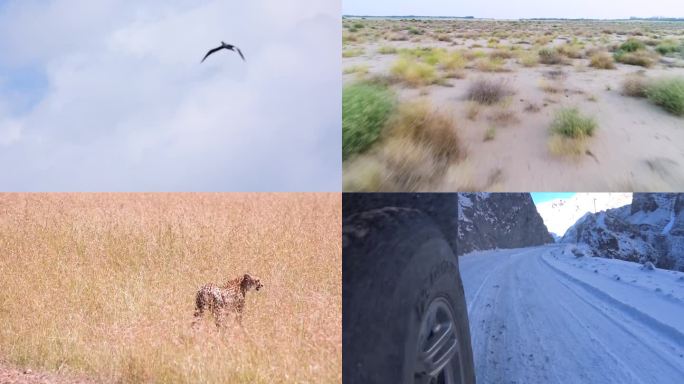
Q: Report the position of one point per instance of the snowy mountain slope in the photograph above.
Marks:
(542, 315)
(650, 229)
(498, 220)
(561, 214)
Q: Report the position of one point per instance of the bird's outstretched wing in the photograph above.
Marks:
(241, 55)
(210, 52)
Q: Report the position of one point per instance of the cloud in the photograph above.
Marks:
(127, 106)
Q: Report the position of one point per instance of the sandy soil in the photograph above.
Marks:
(638, 145)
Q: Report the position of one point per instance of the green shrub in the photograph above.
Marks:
(352, 52)
(669, 94)
(632, 45)
(570, 123)
(640, 58)
(387, 50)
(550, 56)
(365, 110)
(667, 47)
(413, 72)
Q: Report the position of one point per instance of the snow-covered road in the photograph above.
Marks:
(541, 315)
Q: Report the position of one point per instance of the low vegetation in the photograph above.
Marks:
(418, 147)
(570, 123)
(635, 86)
(352, 52)
(414, 72)
(550, 56)
(602, 60)
(489, 91)
(641, 58)
(365, 110)
(669, 94)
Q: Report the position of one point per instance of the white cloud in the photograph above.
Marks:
(129, 107)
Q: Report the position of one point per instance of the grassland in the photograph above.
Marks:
(103, 285)
(501, 85)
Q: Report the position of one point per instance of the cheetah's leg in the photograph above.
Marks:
(199, 313)
(219, 318)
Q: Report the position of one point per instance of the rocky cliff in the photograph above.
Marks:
(499, 220)
(650, 229)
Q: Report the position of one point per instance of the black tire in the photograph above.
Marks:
(396, 265)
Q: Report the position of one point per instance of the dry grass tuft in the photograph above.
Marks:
(413, 72)
(104, 284)
(602, 60)
(635, 86)
(488, 92)
(420, 145)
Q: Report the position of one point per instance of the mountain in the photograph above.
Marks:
(561, 214)
(649, 229)
(498, 220)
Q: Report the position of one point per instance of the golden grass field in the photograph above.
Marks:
(104, 285)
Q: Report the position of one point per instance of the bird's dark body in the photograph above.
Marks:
(223, 45)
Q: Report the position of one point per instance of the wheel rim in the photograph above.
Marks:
(438, 355)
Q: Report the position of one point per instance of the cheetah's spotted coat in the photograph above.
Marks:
(220, 300)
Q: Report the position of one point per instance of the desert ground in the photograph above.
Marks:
(453, 105)
(101, 287)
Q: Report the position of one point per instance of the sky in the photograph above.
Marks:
(110, 95)
(541, 197)
(506, 9)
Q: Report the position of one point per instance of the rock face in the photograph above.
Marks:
(651, 229)
(561, 214)
(498, 220)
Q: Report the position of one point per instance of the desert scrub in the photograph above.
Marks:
(352, 52)
(490, 64)
(550, 56)
(488, 92)
(418, 146)
(422, 124)
(358, 69)
(452, 61)
(632, 45)
(602, 60)
(669, 94)
(570, 123)
(641, 58)
(387, 50)
(529, 59)
(635, 86)
(365, 110)
(571, 51)
(667, 47)
(413, 72)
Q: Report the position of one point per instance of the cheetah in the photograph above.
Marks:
(219, 300)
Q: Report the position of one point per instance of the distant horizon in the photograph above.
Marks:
(522, 9)
(472, 17)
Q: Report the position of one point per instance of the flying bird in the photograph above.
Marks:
(225, 46)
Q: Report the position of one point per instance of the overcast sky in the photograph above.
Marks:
(508, 9)
(110, 95)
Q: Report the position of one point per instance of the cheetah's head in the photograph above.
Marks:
(249, 282)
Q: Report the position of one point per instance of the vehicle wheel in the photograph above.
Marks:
(404, 316)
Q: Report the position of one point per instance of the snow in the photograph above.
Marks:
(669, 225)
(542, 315)
(561, 214)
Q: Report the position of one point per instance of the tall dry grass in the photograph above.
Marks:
(104, 284)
